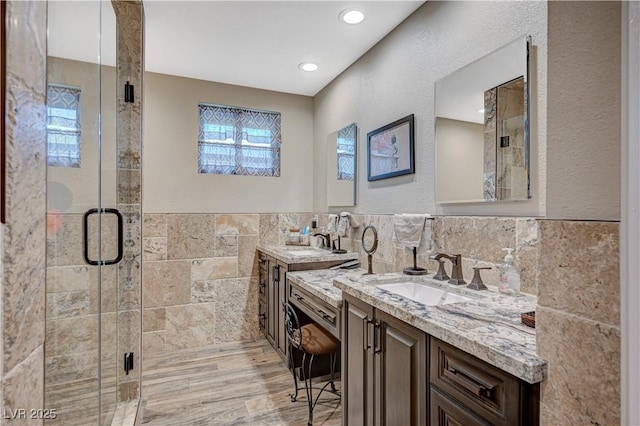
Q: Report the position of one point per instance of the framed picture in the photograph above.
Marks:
(390, 150)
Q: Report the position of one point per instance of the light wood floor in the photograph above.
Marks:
(230, 384)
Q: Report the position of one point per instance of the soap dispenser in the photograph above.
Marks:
(509, 276)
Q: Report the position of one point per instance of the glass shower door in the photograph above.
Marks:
(84, 227)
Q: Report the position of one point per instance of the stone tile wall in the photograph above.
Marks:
(71, 344)
(23, 245)
(477, 239)
(200, 272)
(129, 68)
(200, 284)
(191, 269)
(578, 321)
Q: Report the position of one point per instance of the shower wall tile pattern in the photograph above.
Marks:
(129, 68)
(23, 246)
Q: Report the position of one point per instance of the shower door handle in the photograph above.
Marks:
(85, 233)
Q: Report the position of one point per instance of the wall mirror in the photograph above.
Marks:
(341, 166)
(482, 128)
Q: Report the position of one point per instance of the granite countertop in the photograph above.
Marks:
(307, 254)
(488, 327)
(319, 283)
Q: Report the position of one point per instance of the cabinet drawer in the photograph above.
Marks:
(324, 314)
(485, 389)
(447, 412)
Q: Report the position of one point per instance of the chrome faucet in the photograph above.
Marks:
(456, 268)
(326, 240)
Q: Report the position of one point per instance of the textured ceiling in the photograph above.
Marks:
(248, 43)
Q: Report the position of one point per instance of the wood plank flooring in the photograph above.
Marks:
(229, 384)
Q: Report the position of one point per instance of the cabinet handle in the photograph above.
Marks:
(377, 329)
(331, 319)
(468, 380)
(276, 273)
(365, 333)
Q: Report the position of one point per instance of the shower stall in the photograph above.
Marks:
(93, 276)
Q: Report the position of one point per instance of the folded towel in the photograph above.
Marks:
(343, 226)
(346, 221)
(332, 224)
(352, 220)
(408, 229)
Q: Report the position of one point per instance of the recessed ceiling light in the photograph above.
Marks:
(308, 66)
(351, 16)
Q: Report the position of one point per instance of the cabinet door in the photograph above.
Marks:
(357, 363)
(448, 412)
(281, 337)
(272, 297)
(401, 369)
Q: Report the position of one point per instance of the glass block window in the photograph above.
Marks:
(63, 126)
(238, 141)
(346, 152)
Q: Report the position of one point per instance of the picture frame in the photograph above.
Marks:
(390, 150)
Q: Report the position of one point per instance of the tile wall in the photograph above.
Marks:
(200, 273)
(578, 322)
(200, 287)
(129, 68)
(23, 245)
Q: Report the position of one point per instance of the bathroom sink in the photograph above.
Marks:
(425, 294)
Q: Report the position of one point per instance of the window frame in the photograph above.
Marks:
(54, 156)
(236, 124)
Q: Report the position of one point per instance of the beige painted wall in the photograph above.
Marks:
(397, 77)
(460, 160)
(583, 149)
(75, 189)
(171, 182)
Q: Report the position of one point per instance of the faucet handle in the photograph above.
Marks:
(442, 273)
(476, 282)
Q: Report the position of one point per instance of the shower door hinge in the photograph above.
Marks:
(128, 362)
(128, 92)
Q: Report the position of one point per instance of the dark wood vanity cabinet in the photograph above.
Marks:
(273, 293)
(466, 390)
(385, 377)
(395, 374)
(275, 296)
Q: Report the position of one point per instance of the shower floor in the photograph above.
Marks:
(229, 384)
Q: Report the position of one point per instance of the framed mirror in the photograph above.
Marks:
(482, 128)
(342, 166)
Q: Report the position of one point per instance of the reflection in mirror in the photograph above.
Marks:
(341, 166)
(482, 128)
